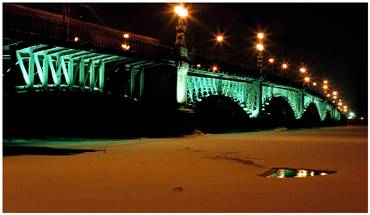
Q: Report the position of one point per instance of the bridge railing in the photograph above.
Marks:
(23, 21)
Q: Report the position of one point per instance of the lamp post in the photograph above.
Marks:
(182, 53)
(181, 29)
(260, 48)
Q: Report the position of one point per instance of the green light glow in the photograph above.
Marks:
(248, 93)
(62, 61)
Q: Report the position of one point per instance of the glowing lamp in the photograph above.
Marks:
(260, 36)
(220, 38)
(259, 47)
(181, 11)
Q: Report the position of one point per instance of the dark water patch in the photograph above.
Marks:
(32, 150)
(295, 173)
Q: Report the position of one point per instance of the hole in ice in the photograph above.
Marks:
(295, 173)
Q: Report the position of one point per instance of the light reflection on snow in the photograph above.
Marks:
(295, 173)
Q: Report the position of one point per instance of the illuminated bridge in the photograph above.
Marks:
(47, 52)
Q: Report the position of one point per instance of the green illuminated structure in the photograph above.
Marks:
(44, 66)
(48, 67)
(252, 94)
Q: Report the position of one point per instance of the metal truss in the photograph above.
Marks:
(46, 67)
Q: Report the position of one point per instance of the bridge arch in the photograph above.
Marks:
(282, 102)
(291, 96)
(219, 112)
(311, 115)
(243, 93)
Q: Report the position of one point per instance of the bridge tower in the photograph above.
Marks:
(182, 54)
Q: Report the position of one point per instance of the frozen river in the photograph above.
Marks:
(197, 173)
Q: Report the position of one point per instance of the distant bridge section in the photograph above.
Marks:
(42, 50)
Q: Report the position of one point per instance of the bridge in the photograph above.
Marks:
(47, 52)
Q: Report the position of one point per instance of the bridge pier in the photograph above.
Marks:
(257, 112)
(181, 88)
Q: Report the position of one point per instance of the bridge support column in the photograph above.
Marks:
(258, 101)
(181, 88)
(301, 103)
(141, 83)
(132, 80)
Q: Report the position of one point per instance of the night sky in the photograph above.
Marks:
(330, 38)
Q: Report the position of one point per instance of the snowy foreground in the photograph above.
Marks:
(199, 173)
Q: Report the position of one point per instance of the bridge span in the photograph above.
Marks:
(49, 52)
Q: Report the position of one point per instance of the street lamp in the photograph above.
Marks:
(271, 60)
(181, 53)
(181, 29)
(284, 66)
(260, 48)
(302, 70)
(307, 79)
(214, 68)
(314, 84)
(181, 11)
(220, 38)
(260, 35)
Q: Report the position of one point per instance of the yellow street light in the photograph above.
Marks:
(220, 38)
(325, 87)
(260, 35)
(307, 79)
(271, 60)
(125, 46)
(259, 47)
(325, 81)
(335, 93)
(340, 103)
(314, 84)
(328, 95)
(76, 39)
(302, 70)
(181, 11)
(198, 65)
(284, 66)
(126, 35)
(214, 68)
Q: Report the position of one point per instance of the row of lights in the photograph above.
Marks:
(182, 12)
(307, 79)
(125, 45)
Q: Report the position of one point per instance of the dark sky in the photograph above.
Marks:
(330, 38)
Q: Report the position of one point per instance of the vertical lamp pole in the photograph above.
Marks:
(260, 48)
(182, 53)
